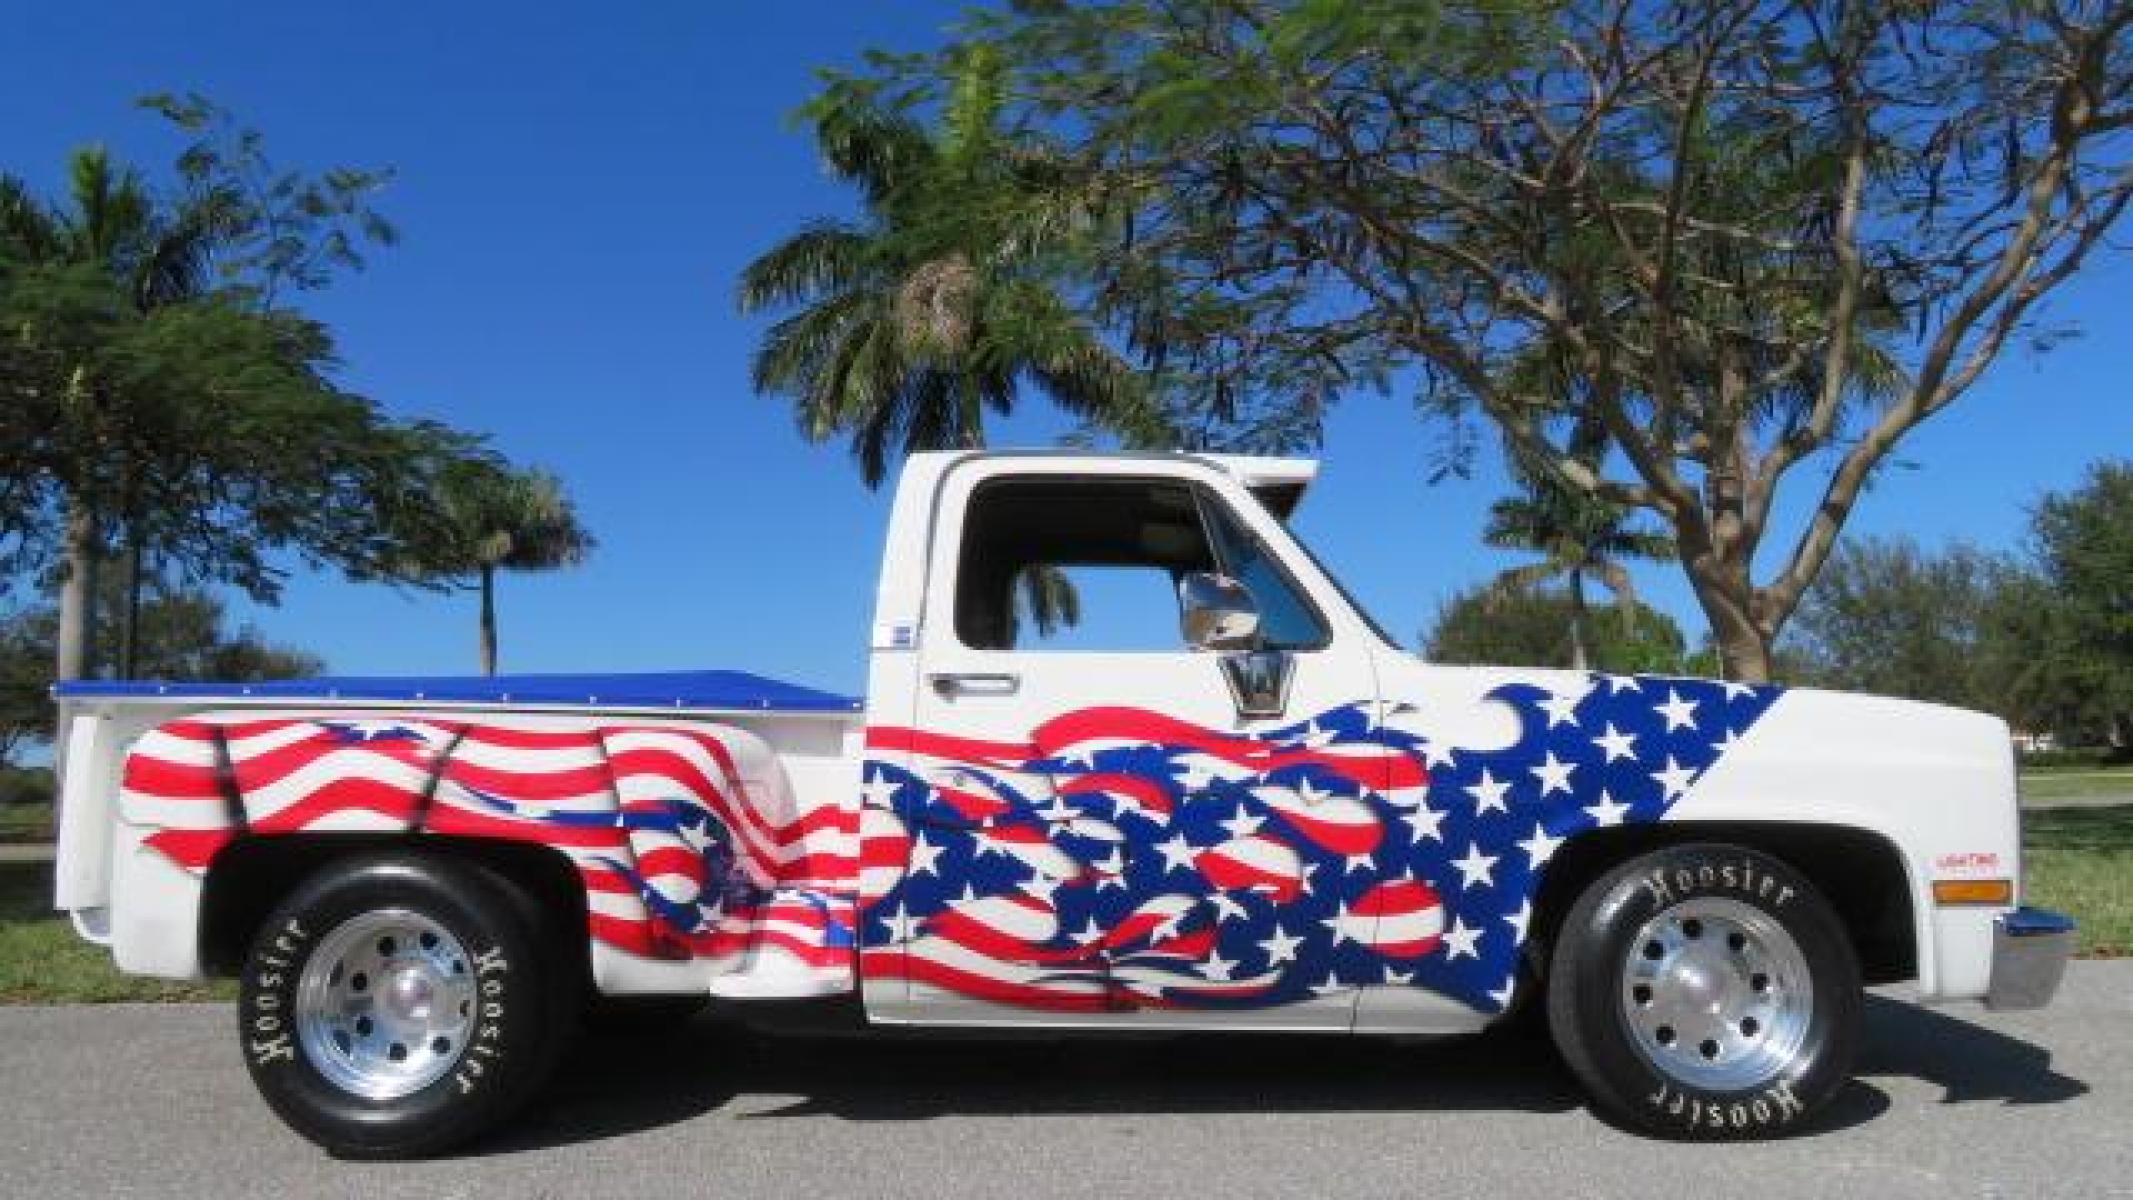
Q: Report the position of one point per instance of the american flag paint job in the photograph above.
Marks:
(1116, 859)
(688, 845)
(1354, 849)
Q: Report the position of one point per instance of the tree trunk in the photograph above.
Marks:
(1743, 648)
(130, 631)
(77, 594)
(488, 620)
(1579, 660)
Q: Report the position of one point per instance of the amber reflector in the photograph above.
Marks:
(1973, 891)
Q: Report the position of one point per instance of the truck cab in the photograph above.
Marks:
(1129, 757)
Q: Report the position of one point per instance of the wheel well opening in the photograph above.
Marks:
(1860, 873)
(253, 874)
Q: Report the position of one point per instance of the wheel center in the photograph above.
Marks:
(410, 993)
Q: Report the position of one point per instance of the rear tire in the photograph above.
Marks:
(1705, 992)
(399, 1004)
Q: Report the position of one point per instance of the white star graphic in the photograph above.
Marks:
(1435, 756)
(1460, 941)
(1476, 868)
(1735, 691)
(1338, 925)
(1178, 854)
(1314, 737)
(1216, 967)
(1425, 821)
(1041, 885)
(1618, 684)
(1330, 986)
(1561, 709)
(1488, 793)
(1518, 920)
(1502, 995)
(1196, 775)
(1090, 935)
(1540, 847)
(1680, 713)
(1226, 906)
(1242, 825)
(1311, 795)
(1400, 978)
(902, 925)
(878, 792)
(1281, 947)
(925, 856)
(1356, 862)
(1059, 812)
(1617, 744)
(1673, 779)
(1554, 775)
(1607, 812)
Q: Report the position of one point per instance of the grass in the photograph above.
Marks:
(2080, 861)
(25, 823)
(43, 961)
(2073, 784)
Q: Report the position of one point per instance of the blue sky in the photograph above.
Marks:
(576, 193)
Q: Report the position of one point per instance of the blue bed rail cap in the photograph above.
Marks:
(729, 690)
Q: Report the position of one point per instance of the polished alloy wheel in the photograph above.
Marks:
(386, 1004)
(1716, 994)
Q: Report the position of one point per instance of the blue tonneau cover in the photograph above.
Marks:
(726, 690)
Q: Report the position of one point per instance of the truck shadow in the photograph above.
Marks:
(619, 1083)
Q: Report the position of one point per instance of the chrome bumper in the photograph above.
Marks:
(2030, 947)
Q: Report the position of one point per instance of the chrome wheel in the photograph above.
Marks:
(1716, 994)
(385, 1004)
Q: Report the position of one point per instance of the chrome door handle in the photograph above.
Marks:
(958, 684)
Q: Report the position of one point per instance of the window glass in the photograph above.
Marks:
(1107, 552)
(1286, 620)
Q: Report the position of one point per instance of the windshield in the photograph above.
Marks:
(1354, 605)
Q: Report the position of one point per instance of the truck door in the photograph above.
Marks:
(1106, 824)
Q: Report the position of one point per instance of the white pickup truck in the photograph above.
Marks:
(1245, 809)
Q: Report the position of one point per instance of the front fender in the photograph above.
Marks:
(1936, 782)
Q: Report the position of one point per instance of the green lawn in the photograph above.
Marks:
(2080, 861)
(2077, 784)
(42, 961)
(25, 823)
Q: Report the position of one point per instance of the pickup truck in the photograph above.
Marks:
(1222, 800)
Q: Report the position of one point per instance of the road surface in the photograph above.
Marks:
(144, 1100)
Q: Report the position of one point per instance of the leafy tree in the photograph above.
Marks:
(2065, 634)
(1526, 625)
(183, 634)
(1888, 616)
(496, 519)
(162, 408)
(1763, 241)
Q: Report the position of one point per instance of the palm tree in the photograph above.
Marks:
(936, 306)
(149, 254)
(502, 520)
(1577, 536)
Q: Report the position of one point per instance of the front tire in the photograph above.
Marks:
(1705, 992)
(396, 1005)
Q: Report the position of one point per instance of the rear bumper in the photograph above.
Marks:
(2030, 947)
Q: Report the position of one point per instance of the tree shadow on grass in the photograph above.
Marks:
(617, 1084)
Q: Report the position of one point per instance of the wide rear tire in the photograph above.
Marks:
(1705, 992)
(399, 1004)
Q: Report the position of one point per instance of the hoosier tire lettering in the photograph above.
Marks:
(265, 1012)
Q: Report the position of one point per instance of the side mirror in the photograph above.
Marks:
(1216, 612)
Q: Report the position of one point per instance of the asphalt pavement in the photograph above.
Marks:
(1956, 1102)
